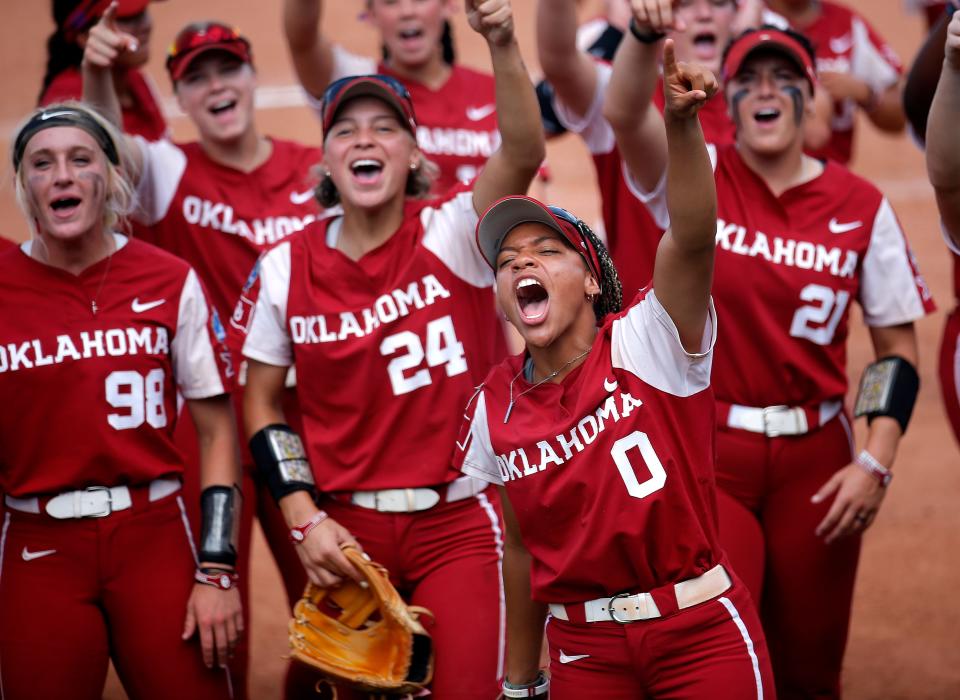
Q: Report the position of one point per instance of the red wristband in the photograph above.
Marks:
(299, 534)
(218, 578)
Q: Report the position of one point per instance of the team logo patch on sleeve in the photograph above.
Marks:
(243, 311)
(219, 332)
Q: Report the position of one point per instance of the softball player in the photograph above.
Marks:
(217, 203)
(97, 333)
(141, 110)
(609, 505)
(387, 312)
(456, 106)
(943, 164)
(798, 240)
(857, 68)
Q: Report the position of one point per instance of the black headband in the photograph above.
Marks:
(64, 117)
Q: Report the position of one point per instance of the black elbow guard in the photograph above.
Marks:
(281, 461)
(888, 387)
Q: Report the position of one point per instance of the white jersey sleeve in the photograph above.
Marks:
(194, 361)
(163, 166)
(267, 338)
(871, 62)
(449, 233)
(646, 342)
(890, 291)
(595, 131)
(656, 200)
(479, 459)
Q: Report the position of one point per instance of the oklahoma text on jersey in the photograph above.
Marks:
(220, 217)
(113, 342)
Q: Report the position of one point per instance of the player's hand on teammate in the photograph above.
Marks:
(322, 557)
(493, 19)
(857, 498)
(656, 16)
(218, 616)
(686, 86)
(105, 41)
(952, 48)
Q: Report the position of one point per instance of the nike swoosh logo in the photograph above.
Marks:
(564, 659)
(841, 44)
(301, 197)
(50, 115)
(30, 556)
(836, 227)
(609, 385)
(475, 114)
(139, 308)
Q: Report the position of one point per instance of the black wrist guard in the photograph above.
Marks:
(644, 37)
(282, 462)
(888, 387)
(220, 529)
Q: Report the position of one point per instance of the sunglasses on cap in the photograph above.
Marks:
(198, 38)
(586, 249)
(378, 85)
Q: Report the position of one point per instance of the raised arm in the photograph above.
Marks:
(522, 149)
(571, 72)
(943, 140)
(683, 272)
(105, 43)
(310, 51)
(629, 106)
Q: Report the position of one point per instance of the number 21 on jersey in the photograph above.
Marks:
(439, 347)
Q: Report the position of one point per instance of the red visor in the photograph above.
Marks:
(198, 38)
(383, 87)
(770, 40)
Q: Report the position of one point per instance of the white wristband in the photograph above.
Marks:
(529, 690)
(871, 466)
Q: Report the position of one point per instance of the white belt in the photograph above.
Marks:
(641, 606)
(413, 500)
(774, 421)
(92, 502)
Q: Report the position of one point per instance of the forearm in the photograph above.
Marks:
(100, 92)
(632, 83)
(310, 52)
(943, 144)
(691, 190)
(884, 432)
(887, 113)
(922, 78)
(217, 438)
(518, 113)
(525, 617)
(556, 38)
(749, 16)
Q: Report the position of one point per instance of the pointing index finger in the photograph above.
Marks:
(669, 58)
(110, 15)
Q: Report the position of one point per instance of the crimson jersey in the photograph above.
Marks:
(845, 43)
(220, 219)
(632, 235)
(610, 472)
(457, 122)
(388, 348)
(100, 388)
(142, 118)
(787, 269)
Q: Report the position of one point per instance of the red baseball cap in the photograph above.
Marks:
(383, 87)
(768, 39)
(199, 37)
(506, 214)
(87, 12)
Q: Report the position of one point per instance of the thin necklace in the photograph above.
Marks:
(550, 376)
(103, 278)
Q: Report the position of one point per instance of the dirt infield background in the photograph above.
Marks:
(905, 640)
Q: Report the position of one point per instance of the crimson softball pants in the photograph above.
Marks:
(76, 593)
(712, 651)
(950, 370)
(446, 559)
(807, 584)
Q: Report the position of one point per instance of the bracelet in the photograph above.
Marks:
(218, 578)
(299, 534)
(539, 686)
(871, 466)
(648, 37)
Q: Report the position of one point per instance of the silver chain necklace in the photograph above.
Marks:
(550, 376)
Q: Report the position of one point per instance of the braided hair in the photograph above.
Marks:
(610, 299)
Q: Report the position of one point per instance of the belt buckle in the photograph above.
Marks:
(769, 413)
(612, 610)
(108, 503)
